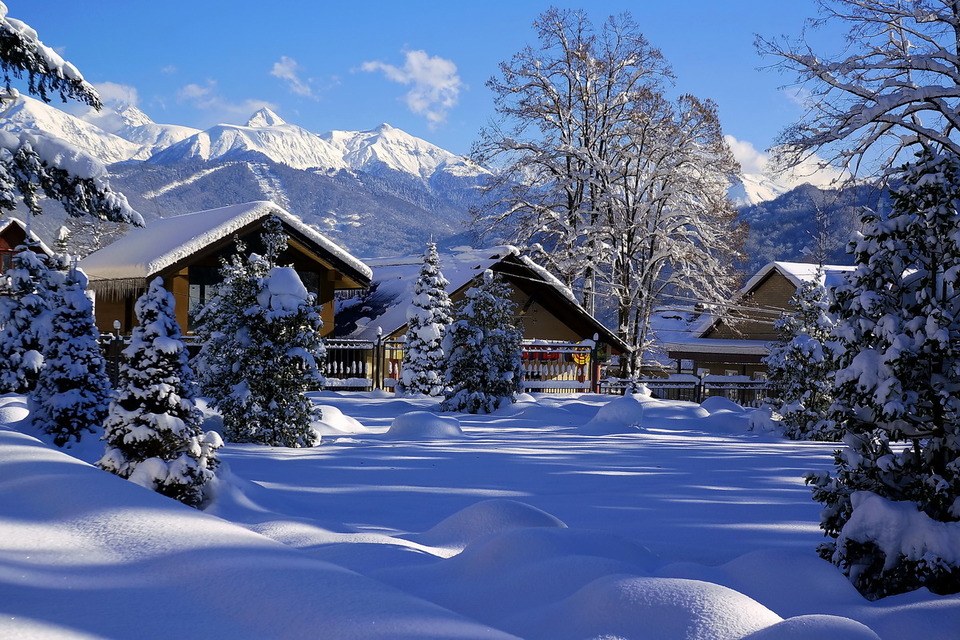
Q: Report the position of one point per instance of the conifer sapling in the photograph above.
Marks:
(153, 431)
(484, 369)
(428, 317)
(73, 390)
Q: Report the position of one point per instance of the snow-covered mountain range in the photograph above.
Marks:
(377, 191)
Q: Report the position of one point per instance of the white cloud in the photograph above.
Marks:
(196, 93)
(206, 98)
(813, 170)
(120, 94)
(289, 69)
(751, 160)
(798, 95)
(114, 96)
(434, 84)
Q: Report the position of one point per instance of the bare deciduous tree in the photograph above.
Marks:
(619, 190)
(895, 86)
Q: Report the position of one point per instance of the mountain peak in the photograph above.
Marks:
(265, 118)
(132, 116)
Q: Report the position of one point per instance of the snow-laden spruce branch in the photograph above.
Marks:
(23, 54)
(34, 165)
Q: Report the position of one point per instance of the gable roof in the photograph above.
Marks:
(385, 306)
(166, 242)
(796, 272)
(9, 222)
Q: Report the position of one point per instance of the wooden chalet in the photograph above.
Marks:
(546, 309)
(564, 345)
(13, 232)
(186, 251)
(734, 341)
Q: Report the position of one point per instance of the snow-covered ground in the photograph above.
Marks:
(558, 517)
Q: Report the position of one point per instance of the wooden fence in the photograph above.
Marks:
(548, 367)
(741, 389)
(560, 367)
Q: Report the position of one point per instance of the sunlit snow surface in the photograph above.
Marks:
(544, 520)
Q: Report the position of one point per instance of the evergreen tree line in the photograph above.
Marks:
(261, 353)
(468, 353)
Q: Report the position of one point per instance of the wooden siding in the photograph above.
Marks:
(118, 303)
(768, 300)
(12, 236)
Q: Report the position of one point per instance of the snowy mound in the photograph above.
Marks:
(499, 576)
(635, 607)
(623, 415)
(13, 408)
(423, 425)
(485, 518)
(333, 422)
(782, 580)
(726, 416)
(76, 538)
(713, 404)
(815, 627)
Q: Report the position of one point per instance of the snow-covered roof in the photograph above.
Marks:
(719, 345)
(10, 221)
(165, 242)
(394, 279)
(798, 273)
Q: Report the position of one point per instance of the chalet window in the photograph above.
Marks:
(205, 280)
(203, 286)
(311, 280)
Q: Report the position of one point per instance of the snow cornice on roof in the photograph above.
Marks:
(797, 273)
(148, 251)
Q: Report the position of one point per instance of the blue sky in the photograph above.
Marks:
(420, 66)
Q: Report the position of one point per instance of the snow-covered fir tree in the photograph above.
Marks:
(153, 430)
(800, 365)
(484, 369)
(262, 348)
(35, 165)
(428, 317)
(24, 315)
(73, 390)
(898, 387)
